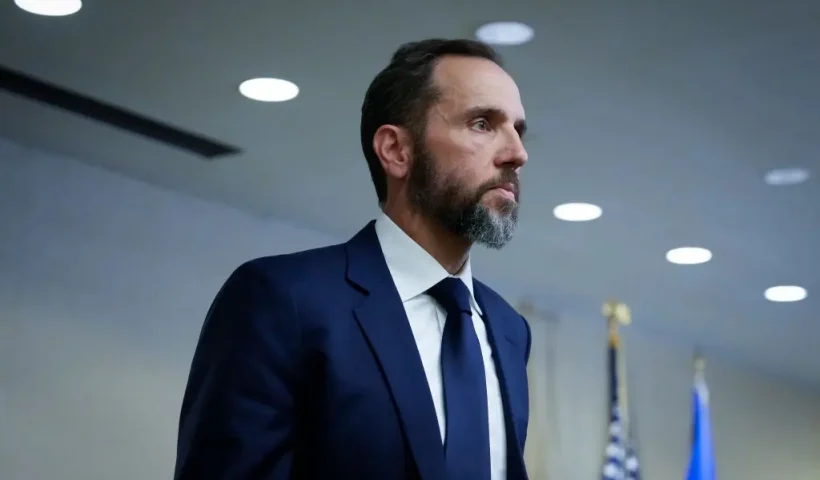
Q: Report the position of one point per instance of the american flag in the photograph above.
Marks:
(620, 459)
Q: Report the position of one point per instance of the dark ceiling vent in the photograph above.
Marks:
(24, 85)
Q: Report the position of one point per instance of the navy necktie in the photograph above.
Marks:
(467, 439)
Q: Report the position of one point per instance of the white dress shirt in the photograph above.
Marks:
(414, 271)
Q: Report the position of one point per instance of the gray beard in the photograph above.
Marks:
(491, 229)
(465, 217)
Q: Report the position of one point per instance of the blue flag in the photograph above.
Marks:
(702, 461)
(620, 459)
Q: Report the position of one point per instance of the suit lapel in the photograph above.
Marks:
(508, 356)
(383, 321)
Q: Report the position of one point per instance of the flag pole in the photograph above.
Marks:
(617, 314)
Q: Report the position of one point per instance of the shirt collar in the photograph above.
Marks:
(414, 271)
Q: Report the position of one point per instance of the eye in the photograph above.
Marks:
(481, 124)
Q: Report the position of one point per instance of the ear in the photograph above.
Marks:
(393, 146)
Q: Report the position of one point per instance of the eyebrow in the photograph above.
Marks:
(520, 125)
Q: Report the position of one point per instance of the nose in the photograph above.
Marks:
(514, 154)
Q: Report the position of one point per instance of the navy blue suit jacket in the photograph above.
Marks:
(306, 368)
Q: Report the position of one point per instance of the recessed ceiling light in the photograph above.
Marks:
(786, 176)
(269, 89)
(505, 33)
(785, 293)
(688, 255)
(577, 212)
(50, 8)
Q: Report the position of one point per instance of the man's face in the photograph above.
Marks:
(465, 168)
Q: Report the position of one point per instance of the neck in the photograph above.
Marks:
(449, 250)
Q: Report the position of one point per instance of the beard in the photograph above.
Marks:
(458, 208)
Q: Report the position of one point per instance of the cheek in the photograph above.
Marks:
(466, 182)
(462, 162)
(460, 149)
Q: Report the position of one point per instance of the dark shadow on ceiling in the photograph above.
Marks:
(40, 91)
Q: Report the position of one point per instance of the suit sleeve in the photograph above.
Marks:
(238, 411)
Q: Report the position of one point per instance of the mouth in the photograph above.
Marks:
(507, 190)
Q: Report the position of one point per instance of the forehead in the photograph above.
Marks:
(465, 82)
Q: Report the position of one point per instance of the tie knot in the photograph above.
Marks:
(452, 294)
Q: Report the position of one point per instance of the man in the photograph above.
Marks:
(381, 358)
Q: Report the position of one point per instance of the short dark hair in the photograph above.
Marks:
(402, 93)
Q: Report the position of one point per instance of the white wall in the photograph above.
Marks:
(104, 283)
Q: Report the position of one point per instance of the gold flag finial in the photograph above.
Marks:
(699, 362)
(616, 314)
(617, 311)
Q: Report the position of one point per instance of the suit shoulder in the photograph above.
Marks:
(300, 265)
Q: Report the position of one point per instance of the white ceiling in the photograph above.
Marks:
(665, 115)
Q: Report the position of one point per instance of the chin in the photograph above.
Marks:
(502, 207)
